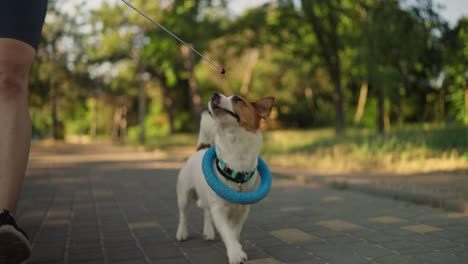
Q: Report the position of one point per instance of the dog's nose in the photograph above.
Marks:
(215, 98)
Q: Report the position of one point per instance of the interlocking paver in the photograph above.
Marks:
(116, 209)
(173, 261)
(386, 219)
(421, 229)
(206, 255)
(157, 252)
(400, 259)
(457, 215)
(338, 225)
(439, 257)
(288, 254)
(263, 261)
(291, 235)
(143, 225)
(371, 252)
(291, 209)
(331, 198)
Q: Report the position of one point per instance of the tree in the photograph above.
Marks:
(403, 62)
(114, 62)
(171, 62)
(324, 16)
(57, 77)
(456, 51)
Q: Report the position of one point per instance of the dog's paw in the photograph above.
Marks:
(237, 256)
(209, 236)
(182, 234)
(209, 233)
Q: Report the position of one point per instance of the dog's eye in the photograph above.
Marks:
(237, 99)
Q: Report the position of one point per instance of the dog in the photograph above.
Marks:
(232, 125)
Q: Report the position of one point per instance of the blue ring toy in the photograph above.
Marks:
(230, 194)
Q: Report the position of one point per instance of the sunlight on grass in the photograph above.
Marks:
(176, 140)
(412, 149)
(281, 141)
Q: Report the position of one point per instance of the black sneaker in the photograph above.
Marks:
(14, 243)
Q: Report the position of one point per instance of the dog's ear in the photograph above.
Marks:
(263, 106)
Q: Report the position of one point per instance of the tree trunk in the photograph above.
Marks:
(53, 102)
(168, 105)
(380, 110)
(422, 108)
(142, 108)
(387, 122)
(117, 121)
(401, 107)
(248, 73)
(466, 106)
(123, 120)
(338, 96)
(329, 42)
(94, 117)
(361, 103)
(441, 105)
(194, 90)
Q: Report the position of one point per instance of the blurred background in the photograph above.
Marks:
(361, 85)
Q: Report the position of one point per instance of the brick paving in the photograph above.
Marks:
(102, 204)
(445, 189)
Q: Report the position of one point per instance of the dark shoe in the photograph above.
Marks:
(14, 243)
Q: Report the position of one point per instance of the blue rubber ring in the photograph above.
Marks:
(230, 194)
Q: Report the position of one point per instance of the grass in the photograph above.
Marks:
(406, 150)
(173, 141)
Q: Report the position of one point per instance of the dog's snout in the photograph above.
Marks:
(215, 98)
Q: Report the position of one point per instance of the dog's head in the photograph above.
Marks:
(235, 110)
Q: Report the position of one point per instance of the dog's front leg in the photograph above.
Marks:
(208, 230)
(183, 200)
(243, 217)
(229, 234)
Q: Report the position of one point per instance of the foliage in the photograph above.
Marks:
(457, 58)
(94, 65)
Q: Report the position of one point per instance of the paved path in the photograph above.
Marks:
(100, 204)
(445, 189)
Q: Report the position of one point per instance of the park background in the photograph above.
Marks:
(362, 86)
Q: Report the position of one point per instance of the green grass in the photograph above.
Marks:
(433, 142)
(415, 148)
(403, 150)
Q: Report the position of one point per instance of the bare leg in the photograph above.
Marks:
(16, 58)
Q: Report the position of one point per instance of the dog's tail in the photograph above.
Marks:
(207, 131)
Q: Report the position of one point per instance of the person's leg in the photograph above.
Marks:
(16, 58)
(21, 24)
(20, 29)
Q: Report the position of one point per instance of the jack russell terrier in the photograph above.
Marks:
(233, 126)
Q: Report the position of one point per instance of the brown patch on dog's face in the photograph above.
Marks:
(250, 113)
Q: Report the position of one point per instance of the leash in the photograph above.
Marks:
(221, 70)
